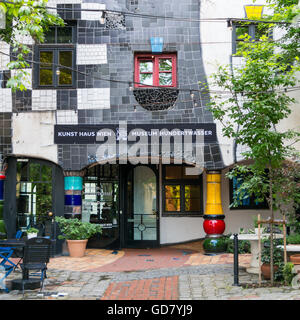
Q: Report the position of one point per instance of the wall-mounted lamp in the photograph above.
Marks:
(102, 19)
(254, 11)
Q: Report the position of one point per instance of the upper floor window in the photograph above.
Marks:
(57, 57)
(255, 31)
(155, 70)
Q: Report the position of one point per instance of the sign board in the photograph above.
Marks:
(95, 134)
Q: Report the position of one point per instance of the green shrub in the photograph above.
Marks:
(293, 239)
(75, 229)
(32, 230)
(288, 273)
(243, 245)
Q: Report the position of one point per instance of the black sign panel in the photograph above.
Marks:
(91, 134)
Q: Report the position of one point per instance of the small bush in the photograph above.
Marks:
(293, 239)
(288, 273)
(244, 245)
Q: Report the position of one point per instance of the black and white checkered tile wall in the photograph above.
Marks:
(106, 51)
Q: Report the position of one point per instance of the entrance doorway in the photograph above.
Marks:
(141, 214)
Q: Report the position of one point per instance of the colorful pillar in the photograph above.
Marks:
(2, 224)
(73, 195)
(213, 223)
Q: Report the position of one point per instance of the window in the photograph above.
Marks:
(58, 49)
(182, 193)
(155, 70)
(33, 192)
(255, 31)
(248, 203)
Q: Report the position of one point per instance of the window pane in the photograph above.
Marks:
(172, 205)
(22, 171)
(34, 172)
(146, 66)
(165, 64)
(192, 205)
(64, 35)
(46, 59)
(173, 172)
(65, 58)
(261, 30)
(50, 36)
(172, 191)
(172, 198)
(146, 78)
(65, 77)
(241, 31)
(192, 191)
(46, 77)
(165, 79)
(46, 173)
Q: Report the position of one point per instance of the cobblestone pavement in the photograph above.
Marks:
(197, 277)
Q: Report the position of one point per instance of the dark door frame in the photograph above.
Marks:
(124, 173)
(10, 200)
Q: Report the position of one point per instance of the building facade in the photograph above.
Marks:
(119, 70)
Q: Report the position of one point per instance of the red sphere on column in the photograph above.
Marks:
(214, 226)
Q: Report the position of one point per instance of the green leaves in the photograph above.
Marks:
(25, 18)
(74, 229)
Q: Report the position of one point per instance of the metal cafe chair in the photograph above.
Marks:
(6, 253)
(35, 259)
(6, 265)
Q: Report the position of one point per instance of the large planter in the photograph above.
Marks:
(214, 246)
(77, 247)
(31, 235)
(266, 270)
(295, 258)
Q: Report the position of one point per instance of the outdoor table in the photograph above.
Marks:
(253, 239)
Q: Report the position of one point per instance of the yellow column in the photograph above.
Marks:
(213, 191)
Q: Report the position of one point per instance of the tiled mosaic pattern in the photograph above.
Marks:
(106, 52)
(91, 54)
(5, 100)
(93, 98)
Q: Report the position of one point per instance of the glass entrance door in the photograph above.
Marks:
(141, 216)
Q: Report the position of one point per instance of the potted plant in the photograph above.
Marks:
(266, 258)
(32, 233)
(76, 234)
(294, 240)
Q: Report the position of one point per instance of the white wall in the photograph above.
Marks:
(181, 229)
(33, 135)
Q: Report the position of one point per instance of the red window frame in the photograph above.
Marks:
(155, 59)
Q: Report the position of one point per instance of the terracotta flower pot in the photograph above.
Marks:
(295, 258)
(266, 270)
(77, 248)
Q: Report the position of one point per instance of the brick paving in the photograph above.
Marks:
(164, 288)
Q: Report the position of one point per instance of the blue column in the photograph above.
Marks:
(73, 196)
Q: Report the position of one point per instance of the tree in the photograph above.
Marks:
(256, 102)
(27, 18)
